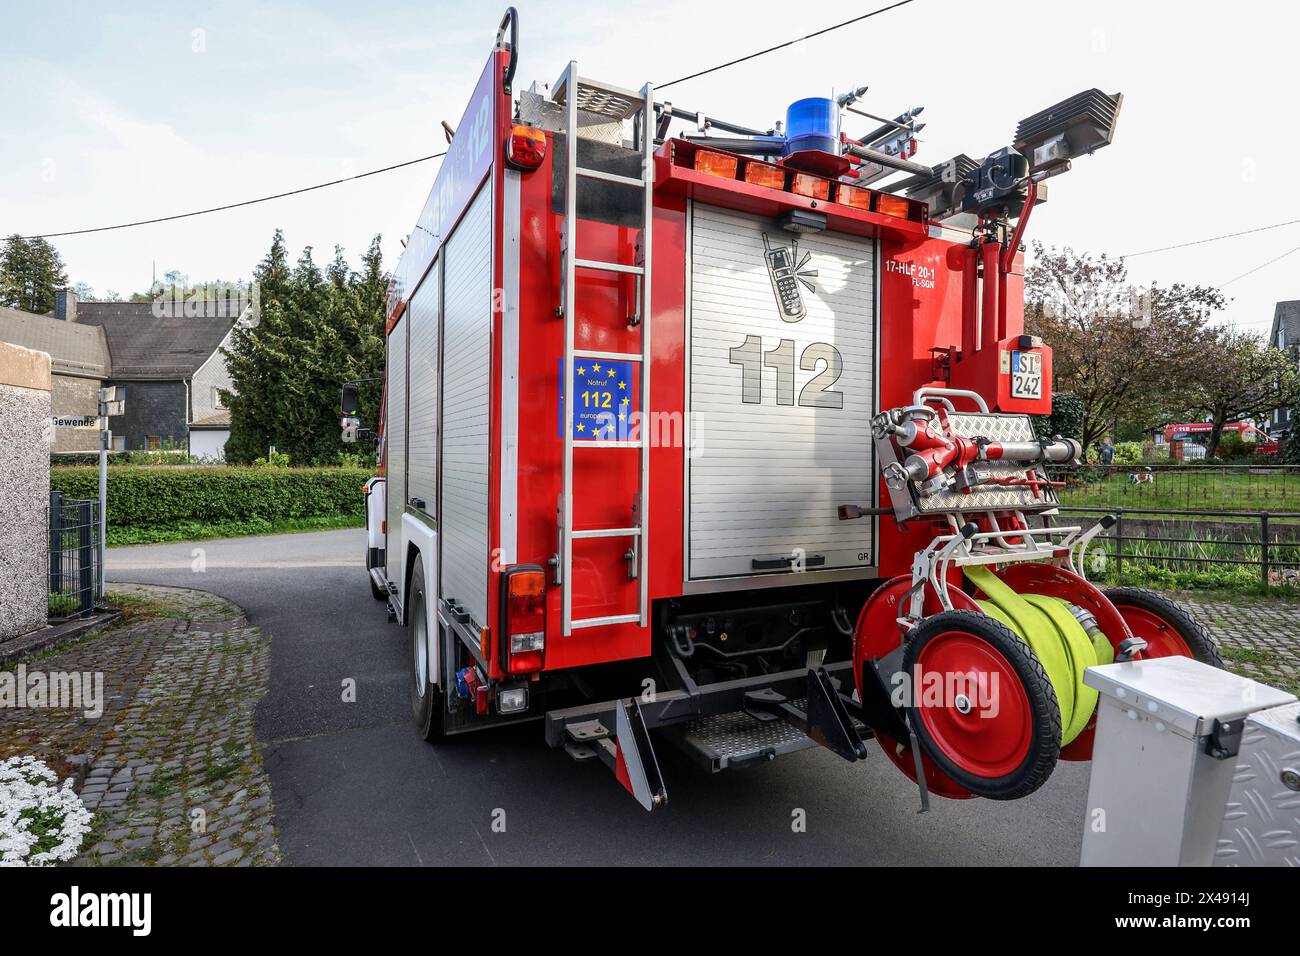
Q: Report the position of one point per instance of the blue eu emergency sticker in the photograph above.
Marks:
(602, 400)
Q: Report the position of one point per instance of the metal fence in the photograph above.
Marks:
(1241, 487)
(75, 561)
(1180, 539)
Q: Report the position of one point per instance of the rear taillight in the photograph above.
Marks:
(526, 147)
(523, 619)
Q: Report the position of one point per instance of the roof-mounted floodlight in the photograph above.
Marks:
(942, 188)
(1075, 127)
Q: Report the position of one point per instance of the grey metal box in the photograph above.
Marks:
(1156, 797)
(1261, 822)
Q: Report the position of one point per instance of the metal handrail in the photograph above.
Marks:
(511, 17)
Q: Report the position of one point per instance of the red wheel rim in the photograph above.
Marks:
(877, 631)
(877, 634)
(1162, 640)
(992, 738)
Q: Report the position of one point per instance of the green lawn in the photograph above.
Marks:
(1224, 549)
(201, 530)
(1233, 489)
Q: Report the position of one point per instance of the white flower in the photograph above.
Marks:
(36, 811)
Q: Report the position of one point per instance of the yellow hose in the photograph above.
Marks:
(1057, 639)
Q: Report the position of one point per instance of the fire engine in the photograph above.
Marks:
(1177, 437)
(718, 436)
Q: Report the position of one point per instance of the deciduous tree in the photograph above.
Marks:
(1130, 354)
(1244, 379)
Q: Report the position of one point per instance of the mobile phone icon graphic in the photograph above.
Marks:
(786, 271)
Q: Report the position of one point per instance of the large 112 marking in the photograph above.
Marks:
(818, 357)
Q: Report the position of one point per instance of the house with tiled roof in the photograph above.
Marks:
(168, 355)
(80, 366)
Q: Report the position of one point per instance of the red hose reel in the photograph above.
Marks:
(990, 687)
(1121, 613)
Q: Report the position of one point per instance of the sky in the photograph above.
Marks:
(132, 110)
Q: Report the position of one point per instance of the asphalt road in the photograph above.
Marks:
(353, 784)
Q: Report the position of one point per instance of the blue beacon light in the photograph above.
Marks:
(812, 123)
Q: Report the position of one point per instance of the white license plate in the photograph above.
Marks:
(1026, 375)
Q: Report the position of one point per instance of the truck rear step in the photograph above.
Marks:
(766, 724)
(736, 740)
(744, 738)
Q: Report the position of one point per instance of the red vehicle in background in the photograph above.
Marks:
(1178, 437)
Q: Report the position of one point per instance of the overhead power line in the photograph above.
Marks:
(1201, 242)
(782, 46)
(235, 205)
(423, 159)
(1263, 265)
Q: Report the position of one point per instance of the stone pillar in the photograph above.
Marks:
(25, 431)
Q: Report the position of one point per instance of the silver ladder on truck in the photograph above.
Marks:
(602, 99)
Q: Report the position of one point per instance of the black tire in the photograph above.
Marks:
(1197, 639)
(427, 705)
(1044, 712)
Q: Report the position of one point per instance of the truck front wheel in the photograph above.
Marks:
(426, 698)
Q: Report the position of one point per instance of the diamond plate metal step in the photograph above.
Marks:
(739, 740)
(604, 99)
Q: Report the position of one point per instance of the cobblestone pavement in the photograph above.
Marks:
(171, 768)
(1258, 637)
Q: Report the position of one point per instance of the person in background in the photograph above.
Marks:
(1107, 451)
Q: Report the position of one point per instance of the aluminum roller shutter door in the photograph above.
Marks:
(395, 442)
(422, 435)
(780, 399)
(467, 326)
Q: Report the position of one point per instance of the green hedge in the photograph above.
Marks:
(158, 497)
(59, 459)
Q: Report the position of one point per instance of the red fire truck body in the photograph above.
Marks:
(701, 554)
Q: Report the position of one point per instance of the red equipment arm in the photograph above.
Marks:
(1009, 253)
